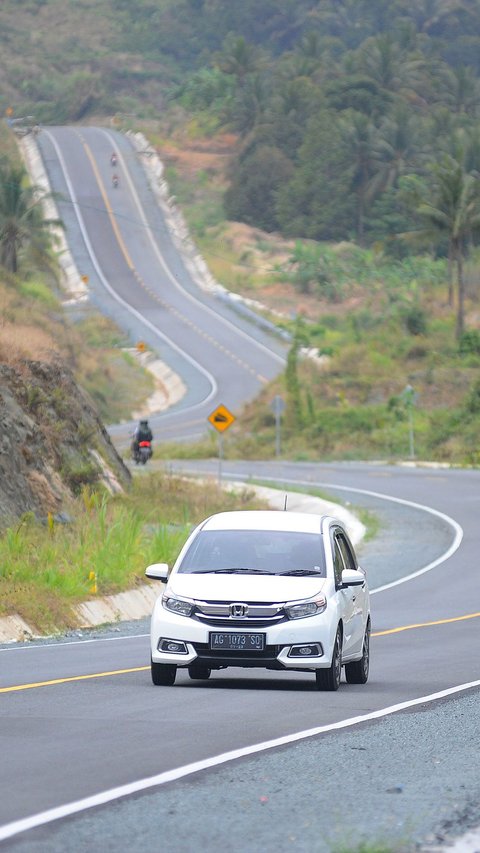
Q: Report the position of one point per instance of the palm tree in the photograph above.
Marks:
(237, 58)
(463, 91)
(453, 210)
(22, 223)
(359, 134)
(395, 70)
(395, 150)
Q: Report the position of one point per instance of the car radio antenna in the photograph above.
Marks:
(285, 504)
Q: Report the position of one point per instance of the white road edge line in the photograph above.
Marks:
(24, 824)
(114, 294)
(55, 645)
(451, 521)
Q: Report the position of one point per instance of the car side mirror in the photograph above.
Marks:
(157, 572)
(352, 577)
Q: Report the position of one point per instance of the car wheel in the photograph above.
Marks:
(163, 674)
(329, 679)
(357, 671)
(199, 670)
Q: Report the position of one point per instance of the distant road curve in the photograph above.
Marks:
(119, 238)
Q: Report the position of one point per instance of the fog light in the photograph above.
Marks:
(173, 647)
(309, 650)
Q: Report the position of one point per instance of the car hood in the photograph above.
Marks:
(264, 588)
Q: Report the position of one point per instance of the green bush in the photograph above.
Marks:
(415, 320)
(470, 342)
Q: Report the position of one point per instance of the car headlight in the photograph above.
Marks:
(177, 605)
(306, 608)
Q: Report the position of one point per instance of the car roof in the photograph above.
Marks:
(299, 522)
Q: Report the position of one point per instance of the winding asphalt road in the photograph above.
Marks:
(92, 756)
(82, 718)
(119, 239)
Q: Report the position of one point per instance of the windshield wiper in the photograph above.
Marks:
(232, 571)
(306, 572)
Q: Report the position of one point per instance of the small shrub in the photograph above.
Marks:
(470, 342)
(415, 320)
(473, 400)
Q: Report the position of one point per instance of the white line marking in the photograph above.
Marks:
(451, 521)
(55, 645)
(114, 294)
(103, 797)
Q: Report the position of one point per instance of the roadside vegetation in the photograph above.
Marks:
(45, 569)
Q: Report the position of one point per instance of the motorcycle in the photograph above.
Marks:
(115, 181)
(143, 453)
(113, 159)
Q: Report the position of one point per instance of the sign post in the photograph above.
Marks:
(221, 419)
(278, 406)
(410, 398)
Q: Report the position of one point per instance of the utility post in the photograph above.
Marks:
(278, 406)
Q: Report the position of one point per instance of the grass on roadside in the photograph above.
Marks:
(44, 569)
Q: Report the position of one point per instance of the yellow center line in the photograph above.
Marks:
(71, 678)
(16, 687)
(425, 624)
(109, 210)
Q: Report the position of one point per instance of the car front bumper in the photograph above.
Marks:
(277, 653)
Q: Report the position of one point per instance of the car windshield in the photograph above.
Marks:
(273, 552)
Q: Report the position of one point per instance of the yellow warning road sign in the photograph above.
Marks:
(221, 418)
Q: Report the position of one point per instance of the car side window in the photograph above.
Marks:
(338, 564)
(347, 551)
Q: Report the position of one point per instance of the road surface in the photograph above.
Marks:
(82, 718)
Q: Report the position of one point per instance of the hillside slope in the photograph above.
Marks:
(52, 441)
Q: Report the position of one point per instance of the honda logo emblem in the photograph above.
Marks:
(238, 610)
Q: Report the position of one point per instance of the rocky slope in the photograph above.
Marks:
(52, 441)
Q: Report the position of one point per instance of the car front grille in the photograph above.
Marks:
(239, 614)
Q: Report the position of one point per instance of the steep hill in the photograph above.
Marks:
(52, 441)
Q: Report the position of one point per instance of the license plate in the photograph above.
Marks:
(240, 642)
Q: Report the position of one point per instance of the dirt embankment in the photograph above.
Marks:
(52, 441)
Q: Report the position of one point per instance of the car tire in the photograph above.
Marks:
(199, 671)
(357, 671)
(163, 674)
(329, 679)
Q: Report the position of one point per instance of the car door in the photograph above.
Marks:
(345, 597)
(356, 598)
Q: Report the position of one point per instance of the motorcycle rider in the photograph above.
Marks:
(115, 180)
(113, 159)
(142, 433)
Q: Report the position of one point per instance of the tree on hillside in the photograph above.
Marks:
(251, 198)
(317, 202)
(359, 134)
(453, 211)
(237, 58)
(22, 224)
(395, 71)
(395, 149)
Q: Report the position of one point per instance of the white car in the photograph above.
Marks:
(270, 589)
